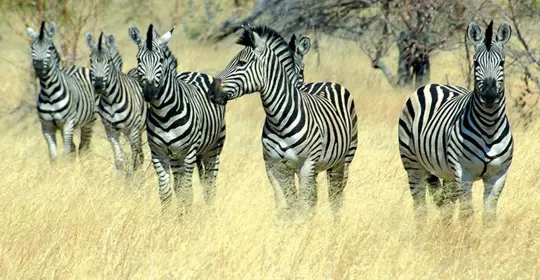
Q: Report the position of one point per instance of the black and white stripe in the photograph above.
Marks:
(336, 93)
(121, 105)
(184, 128)
(303, 134)
(66, 99)
(460, 136)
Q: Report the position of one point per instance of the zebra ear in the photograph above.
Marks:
(90, 41)
(134, 34)
(474, 33)
(51, 30)
(304, 45)
(32, 33)
(110, 40)
(504, 32)
(164, 40)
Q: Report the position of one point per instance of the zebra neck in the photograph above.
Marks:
(488, 120)
(280, 99)
(113, 86)
(53, 82)
(171, 96)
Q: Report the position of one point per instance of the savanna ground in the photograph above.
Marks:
(81, 220)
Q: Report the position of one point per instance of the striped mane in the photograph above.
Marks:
(274, 41)
(489, 36)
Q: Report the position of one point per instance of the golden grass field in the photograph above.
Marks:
(81, 220)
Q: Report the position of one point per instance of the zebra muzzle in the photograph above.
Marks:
(150, 92)
(216, 94)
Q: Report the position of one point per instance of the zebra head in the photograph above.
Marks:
(264, 52)
(152, 60)
(100, 63)
(489, 62)
(300, 48)
(44, 54)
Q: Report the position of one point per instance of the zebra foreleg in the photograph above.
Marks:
(282, 180)
(86, 137)
(162, 167)
(183, 173)
(67, 137)
(307, 189)
(466, 210)
(208, 170)
(136, 149)
(49, 132)
(337, 180)
(493, 188)
(113, 137)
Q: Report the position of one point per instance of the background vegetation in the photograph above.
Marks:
(81, 220)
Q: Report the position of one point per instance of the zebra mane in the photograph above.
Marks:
(266, 33)
(149, 37)
(100, 42)
(489, 36)
(41, 30)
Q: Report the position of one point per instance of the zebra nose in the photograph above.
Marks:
(38, 65)
(98, 83)
(215, 94)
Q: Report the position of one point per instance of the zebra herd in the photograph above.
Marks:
(445, 132)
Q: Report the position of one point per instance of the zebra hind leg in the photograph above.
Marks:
(282, 180)
(337, 180)
(208, 166)
(443, 196)
(417, 187)
(86, 137)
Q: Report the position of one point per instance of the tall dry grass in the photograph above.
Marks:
(81, 220)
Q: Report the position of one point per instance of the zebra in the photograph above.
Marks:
(121, 105)
(303, 133)
(184, 128)
(460, 136)
(66, 98)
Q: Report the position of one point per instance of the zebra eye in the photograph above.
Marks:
(241, 63)
(51, 47)
(161, 60)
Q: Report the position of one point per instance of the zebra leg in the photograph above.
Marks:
(113, 137)
(465, 201)
(307, 189)
(162, 167)
(136, 149)
(337, 180)
(86, 136)
(493, 188)
(208, 166)
(67, 135)
(282, 180)
(443, 194)
(417, 187)
(183, 173)
(49, 132)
